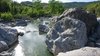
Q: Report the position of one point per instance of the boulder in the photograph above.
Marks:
(21, 22)
(6, 53)
(66, 34)
(3, 46)
(86, 51)
(88, 18)
(43, 28)
(8, 35)
(20, 34)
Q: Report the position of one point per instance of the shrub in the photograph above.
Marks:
(21, 16)
(93, 8)
(6, 16)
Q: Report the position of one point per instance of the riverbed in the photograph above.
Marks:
(31, 43)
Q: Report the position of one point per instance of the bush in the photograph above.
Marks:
(93, 8)
(21, 16)
(18, 16)
(6, 16)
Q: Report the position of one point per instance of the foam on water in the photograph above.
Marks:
(98, 18)
(18, 51)
(19, 29)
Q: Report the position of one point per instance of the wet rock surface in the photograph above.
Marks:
(9, 36)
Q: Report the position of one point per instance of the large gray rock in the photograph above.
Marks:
(21, 22)
(66, 34)
(89, 19)
(3, 46)
(86, 51)
(6, 53)
(43, 28)
(7, 38)
(8, 35)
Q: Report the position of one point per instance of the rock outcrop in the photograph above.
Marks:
(76, 13)
(9, 35)
(22, 22)
(72, 30)
(17, 22)
(86, 51)
(43, 28)
(7, 38)
(3, 46)
(67, 34)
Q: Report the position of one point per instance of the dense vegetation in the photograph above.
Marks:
(75, 4)
(10, 9)
(94, 8)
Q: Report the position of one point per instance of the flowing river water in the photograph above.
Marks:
(31, 43)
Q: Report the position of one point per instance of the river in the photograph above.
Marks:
(31, 43)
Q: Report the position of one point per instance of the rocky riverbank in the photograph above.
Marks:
(9, 35)
(17, 22)
(72, 32)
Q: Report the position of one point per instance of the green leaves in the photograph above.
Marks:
(30, 9)
(94, 8)
(5, 5)
(6, 16)
(55, 7)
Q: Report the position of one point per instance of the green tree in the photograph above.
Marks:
(16, 8)
(6, 16)
(55, 7)
(5, 5)
(37, 7)
(94, 8)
